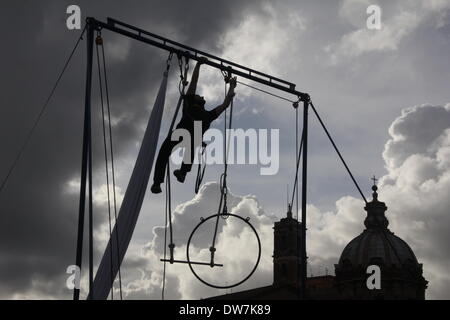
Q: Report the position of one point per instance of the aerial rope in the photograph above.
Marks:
(222, 209)
(202, 153)
(99, 43)
(297, 166)
(132, 201)
(112, 160)
(168, 208)
(201, 168)
(41, 112)
(295, 190)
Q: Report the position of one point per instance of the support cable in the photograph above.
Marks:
(266, 92)
(41, 112)
(337, 151)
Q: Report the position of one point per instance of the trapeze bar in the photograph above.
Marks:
(192, 262)
(191, 53)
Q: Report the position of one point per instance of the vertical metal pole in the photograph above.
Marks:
(86, 157)
(296, 204)
(88, 102)
(91, 220)
(296, 159)
(304, 192)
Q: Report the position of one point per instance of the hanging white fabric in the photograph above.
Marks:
(132, 202)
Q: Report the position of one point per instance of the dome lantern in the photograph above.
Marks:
(375, 212)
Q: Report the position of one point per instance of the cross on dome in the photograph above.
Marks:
(375, 180)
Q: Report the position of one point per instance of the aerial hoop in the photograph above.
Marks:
(212, 250)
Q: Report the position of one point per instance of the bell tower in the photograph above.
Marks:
(286, 254)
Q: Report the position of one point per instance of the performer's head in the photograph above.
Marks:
(199, 101)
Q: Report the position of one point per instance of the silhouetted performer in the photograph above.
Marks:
(193, 110)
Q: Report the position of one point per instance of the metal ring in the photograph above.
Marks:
(227, 286)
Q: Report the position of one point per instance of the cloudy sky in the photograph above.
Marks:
(384, 95)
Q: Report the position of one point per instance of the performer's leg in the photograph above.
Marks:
(161, 163)
(186, 166)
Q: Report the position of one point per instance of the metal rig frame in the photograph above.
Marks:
(180, 50)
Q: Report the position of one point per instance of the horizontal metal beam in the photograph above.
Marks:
(115, 22)
(194, 54)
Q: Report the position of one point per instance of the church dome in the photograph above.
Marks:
(373, 246)
(377, 245)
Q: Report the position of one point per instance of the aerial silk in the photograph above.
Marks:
(132, 202)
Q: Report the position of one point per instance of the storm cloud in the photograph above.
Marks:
(360, 82)
(39, 206)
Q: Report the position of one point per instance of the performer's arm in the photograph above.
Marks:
(227, 101)
(194, 79)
